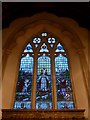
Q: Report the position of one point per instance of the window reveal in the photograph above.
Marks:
(44, 76)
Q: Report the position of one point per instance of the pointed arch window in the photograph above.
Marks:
(44, 90)
(63, 82)
(24, 83)
(45, 69)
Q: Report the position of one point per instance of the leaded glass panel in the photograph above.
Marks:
(59, 48)
(44, 34)
(63, 83)
(44, 48)
(51, 41)
(44, 76)
(28, 48)
(44, 84)
(24, 83)
(36, 41)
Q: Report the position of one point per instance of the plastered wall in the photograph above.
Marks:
(0, 73)
(12, 49)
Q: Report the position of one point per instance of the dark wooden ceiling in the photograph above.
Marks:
(80, 12)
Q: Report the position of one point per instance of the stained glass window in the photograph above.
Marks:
(44, 90)
(43, 87)
(63, 82)
(51, 41)
(44, 48)
(23, 90)
(28, 48)
(36, 41)
(59, 48)
(44, 34)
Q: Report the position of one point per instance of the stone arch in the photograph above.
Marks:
(20, 28)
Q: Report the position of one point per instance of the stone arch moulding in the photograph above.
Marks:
(20, 26)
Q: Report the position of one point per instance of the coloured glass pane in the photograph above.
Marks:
(59, 48)
(28, 48)
(44, 84)
(44, 48)
(24, 83)
(44, 76)
(63, 83)
(44, 34)
(51, 41)
(36, 41)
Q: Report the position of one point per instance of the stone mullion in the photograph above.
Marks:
(54, 95)
(33, 101)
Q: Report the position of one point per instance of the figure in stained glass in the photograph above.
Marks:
(44, 75)
(26, 85)
(43, 80)
(23, 91)
(63, 84)
(44, 91)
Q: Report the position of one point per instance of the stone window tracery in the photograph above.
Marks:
(52, 71)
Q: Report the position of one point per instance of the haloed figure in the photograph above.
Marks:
(44, 80)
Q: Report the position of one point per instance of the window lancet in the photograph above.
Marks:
(48, 74)
(63, 83)
(44, 94)
(24, 83)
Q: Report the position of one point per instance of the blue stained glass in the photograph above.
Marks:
(36, 41)
(24, 84)
(44, 77)
(44, 91)
(28, 48)
(44, 57)
(63, 83)
(27, 64)
(59, 48)
(44, 48)
(51, 41)
(66, 105)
